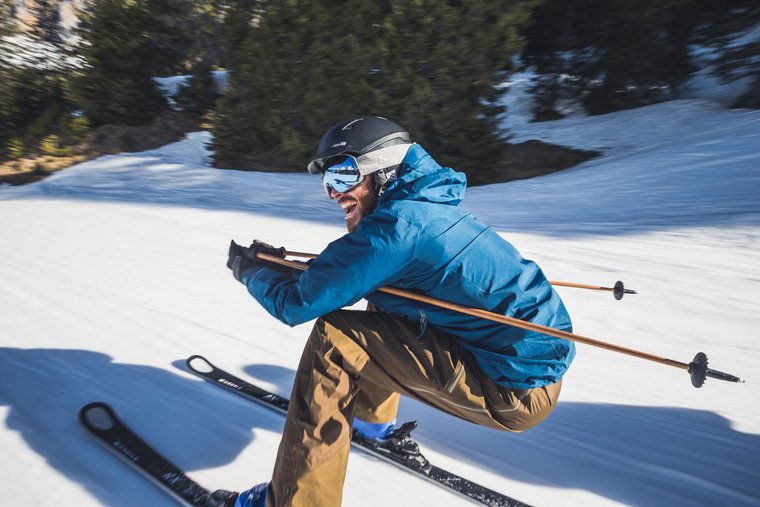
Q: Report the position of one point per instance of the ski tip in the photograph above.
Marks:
(199, 364)
(97, 416)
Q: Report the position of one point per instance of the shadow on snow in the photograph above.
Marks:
(630, 454)
(45, 388)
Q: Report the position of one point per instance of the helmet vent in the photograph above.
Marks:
(348, 126)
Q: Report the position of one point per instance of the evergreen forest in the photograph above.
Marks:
(77, 77)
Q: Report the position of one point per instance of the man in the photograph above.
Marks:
(405, 229)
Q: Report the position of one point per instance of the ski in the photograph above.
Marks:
(103, 423)
(411, 461)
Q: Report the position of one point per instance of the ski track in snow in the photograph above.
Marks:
(114, 272)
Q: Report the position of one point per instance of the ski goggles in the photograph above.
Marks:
(341, 173)
(345, 172)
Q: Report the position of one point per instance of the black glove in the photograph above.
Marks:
(241, 257)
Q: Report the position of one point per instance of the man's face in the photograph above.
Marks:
(357, 202)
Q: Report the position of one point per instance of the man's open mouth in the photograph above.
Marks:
(349, 206)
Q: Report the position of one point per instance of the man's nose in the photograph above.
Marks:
(334, 194)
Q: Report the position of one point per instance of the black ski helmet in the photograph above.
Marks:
(357, 136)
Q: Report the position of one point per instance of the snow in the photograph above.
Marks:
(114, 272)
(171, 85)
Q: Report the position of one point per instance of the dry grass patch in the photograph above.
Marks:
(168, 127)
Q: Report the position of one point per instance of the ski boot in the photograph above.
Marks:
(254, 497)
(378, 431)
(398, 446)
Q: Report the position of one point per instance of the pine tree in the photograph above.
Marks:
(244, 116)
(319, 69)
(617, 54)
(7, 90)
(122, 55)
(200, 94)
(217, 26)
(445, 60)
(34, 67)
(174, 32)
(239, 18)
(730, 34)
(431, 66)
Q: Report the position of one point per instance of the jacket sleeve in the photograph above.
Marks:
(375, 254)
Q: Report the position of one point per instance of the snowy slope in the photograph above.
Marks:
(114, 272)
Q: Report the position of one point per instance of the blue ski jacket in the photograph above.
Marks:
(419, 239)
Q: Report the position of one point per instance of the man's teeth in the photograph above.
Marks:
(348, 206)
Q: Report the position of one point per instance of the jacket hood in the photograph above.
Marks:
(425, 180)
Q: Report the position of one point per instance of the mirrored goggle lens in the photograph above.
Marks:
(341, 174)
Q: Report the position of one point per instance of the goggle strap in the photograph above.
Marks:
(382, 159)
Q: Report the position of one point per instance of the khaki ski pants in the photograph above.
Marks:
(356, 363)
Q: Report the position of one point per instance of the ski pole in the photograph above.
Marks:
(618, 290)
(697, 368)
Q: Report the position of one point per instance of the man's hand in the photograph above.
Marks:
(241, 258)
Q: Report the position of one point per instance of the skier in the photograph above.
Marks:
(405, 229)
